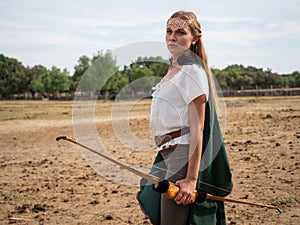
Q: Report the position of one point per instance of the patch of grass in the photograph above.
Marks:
(283, 201)
(230, 132)
(15, 195)
(283, 135)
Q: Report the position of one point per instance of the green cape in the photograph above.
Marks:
(214, 170)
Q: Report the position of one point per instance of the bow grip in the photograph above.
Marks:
(171, 190)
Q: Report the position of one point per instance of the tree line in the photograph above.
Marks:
(19, 81)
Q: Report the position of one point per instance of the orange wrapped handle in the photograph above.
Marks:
(173, 190)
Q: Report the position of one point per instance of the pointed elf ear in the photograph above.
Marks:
(196, 38)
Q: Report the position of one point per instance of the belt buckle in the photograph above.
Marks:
(160, 140)
(168, 138)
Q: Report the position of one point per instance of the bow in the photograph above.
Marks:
(169, 188)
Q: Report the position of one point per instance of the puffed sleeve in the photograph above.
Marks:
(193, 83)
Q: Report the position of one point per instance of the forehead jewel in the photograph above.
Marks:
(177, 23)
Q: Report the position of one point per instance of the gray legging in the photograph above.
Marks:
(176, 161)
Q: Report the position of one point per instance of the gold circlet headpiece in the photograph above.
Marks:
(177, 23)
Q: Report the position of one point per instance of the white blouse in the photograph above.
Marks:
(169, 109)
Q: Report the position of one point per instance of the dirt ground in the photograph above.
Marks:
(47, 182)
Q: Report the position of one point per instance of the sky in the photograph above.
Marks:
(260, 33)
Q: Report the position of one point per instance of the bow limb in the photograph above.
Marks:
(225, 199)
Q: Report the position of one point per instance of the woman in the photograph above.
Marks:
(183, 118)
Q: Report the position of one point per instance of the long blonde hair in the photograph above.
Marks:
(199, 50)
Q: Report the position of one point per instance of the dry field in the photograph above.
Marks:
(47, 182)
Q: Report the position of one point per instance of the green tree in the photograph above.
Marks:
(83, 63)
(53, 82)
(116, 83)
(157, 65)
(13, 78)
(296, 76)
(34, 75)
(103, 67)
(232, 74)
(220, 76)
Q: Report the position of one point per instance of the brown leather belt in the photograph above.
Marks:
(160, 140)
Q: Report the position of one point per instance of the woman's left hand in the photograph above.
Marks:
(186, 190)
